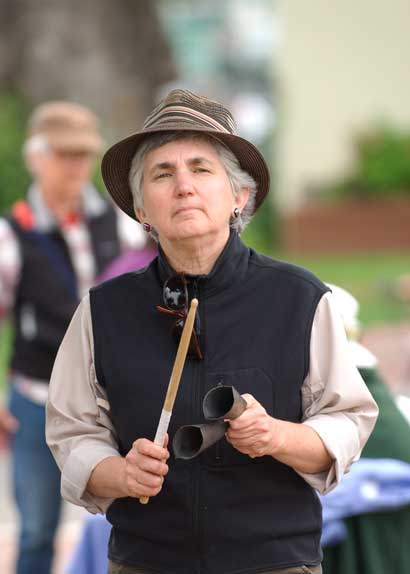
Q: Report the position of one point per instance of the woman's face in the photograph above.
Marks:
(187, 193)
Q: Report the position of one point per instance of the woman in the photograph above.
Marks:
(268, 328)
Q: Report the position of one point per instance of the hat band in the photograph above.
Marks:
(175, 113)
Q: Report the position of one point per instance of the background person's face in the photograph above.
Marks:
(62, 175)
(187, 192)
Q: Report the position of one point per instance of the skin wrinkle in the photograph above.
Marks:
(191, 176)
(237, 177)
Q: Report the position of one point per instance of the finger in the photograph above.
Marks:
(138, 490)
(148, 479)
(244, 422)
(8, 423)
(153, 466)
(138, 460)
(241, 435)
(251, 442)
(253, 414)
(3, 442)
(250, 399)
(256, 425)
(149, 448)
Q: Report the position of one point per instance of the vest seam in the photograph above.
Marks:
(293, 274)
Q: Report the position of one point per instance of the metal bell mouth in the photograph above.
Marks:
(220, 403)
(223, 402)
(190, 440)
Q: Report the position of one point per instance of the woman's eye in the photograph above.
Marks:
(162, 175)
(201, 170)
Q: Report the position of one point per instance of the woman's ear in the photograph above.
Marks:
(242, 198)
(140, 213)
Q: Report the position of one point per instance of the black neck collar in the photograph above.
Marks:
(230, 267)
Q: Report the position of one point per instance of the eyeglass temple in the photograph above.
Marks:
(173, 312)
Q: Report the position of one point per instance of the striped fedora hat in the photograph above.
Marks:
(182, 110)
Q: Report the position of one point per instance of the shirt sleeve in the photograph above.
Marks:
(79, 429)
(336, 402)
(10, 268)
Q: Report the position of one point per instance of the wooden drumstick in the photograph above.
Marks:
(174, 380)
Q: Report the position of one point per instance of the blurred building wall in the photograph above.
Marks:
(342, 66)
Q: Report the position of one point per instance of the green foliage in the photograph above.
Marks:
(261, 232)
(381, 165)
(13, 174)
(365, 276)
(384, 161)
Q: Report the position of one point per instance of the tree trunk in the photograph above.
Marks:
(109, 55)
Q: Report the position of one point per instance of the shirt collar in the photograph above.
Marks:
(92, 205)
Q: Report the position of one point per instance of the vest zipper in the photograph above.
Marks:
(197, 415)
(218, 444)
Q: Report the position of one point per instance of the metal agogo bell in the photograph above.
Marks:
(220, 403)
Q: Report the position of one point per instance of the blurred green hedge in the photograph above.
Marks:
(381, 164)
(14, 177)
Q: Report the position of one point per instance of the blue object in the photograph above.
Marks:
(90, 554)
(373, 484)
(58, 262)
(37, 487)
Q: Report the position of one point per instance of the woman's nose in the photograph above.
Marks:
(183, 184)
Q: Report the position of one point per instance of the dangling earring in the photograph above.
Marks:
(236, 213)
(146, 227)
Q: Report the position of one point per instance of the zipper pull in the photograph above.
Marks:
(195, 291)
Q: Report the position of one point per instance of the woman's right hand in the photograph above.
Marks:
(8, 426)
(145, 468)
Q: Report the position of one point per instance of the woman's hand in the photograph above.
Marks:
(8, 427)
(258, 434)
(145, 468)
(254, 432)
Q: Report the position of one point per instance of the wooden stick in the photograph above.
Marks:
(174, 380)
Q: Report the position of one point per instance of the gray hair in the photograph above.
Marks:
(238, 177)
(36, 144)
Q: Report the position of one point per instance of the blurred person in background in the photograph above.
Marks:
(267, 327)
(52, 246)
(375, 542)
(130, 260)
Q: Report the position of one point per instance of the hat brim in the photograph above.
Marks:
(87, 143)
(117, 160)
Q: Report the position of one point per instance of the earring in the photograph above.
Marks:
(146, 227)
(236, 213)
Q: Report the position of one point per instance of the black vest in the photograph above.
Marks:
(222, 512)
(47, 290)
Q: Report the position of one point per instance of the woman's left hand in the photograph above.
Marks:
(254, 432)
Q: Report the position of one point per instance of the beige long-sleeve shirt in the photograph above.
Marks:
(335, 403)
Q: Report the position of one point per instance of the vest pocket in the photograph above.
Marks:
(253, 381)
